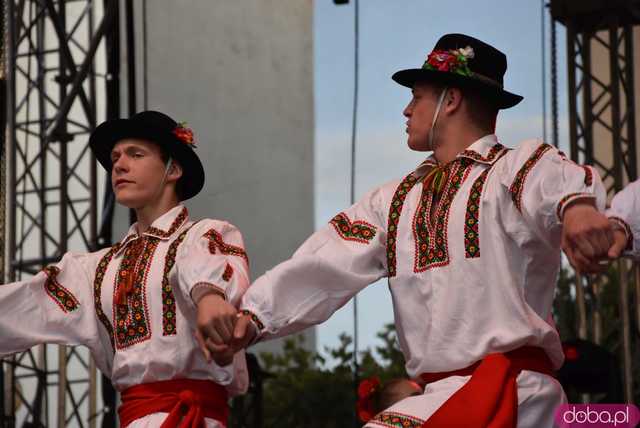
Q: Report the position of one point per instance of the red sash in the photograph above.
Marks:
(188, 400)
(490, 398)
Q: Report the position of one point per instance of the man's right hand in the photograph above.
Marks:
(244, 333)
(222, 331)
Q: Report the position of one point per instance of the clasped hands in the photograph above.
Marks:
(221, 330)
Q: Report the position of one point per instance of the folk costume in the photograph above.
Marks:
(471, 250)
(133, 304)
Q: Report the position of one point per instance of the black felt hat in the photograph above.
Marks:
(175, 139)
(464, 61)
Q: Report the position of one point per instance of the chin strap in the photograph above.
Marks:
(164, 178)
(432, 132)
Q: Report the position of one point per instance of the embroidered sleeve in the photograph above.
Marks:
(337, 261)
(356, 230)
(213, 260)
(58, 293)
(54, 306)
(543, 183)
(625, 213)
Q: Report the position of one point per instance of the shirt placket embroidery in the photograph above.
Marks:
(130, 303)
(432, 219)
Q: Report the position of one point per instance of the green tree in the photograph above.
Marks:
(305, 392)
(602, 295)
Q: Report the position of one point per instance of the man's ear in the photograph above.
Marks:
(175, 171)
(453, 100)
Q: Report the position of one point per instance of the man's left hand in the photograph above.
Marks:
(587, 237)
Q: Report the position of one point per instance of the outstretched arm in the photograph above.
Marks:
(54, 306)
(324, 273)
(334, 264)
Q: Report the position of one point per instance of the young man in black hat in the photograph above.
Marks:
(137, 304)
(470, 243)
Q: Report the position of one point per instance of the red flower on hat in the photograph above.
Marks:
(365, 405)
(452, 61)
(184, 134)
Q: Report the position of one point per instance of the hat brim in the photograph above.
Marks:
(502, 99)
(106, 135)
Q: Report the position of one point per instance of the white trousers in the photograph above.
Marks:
(539, 396)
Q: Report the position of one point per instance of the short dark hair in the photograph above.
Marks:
(482, 111)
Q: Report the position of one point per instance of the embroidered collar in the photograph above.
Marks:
(162, 228)
(485, 150)
(425, 167)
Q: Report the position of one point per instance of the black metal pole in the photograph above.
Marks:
(105, 235)
(131, 59)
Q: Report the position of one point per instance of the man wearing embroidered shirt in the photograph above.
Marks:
(137, 304)
(470, 243)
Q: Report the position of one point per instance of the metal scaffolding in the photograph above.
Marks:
(53, 76)
(602, 133)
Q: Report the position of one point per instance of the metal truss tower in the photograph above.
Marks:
(601, 85)
(54, 80)
(602, 133)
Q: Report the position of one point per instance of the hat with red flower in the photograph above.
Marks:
(461, 60)
(367, 391)
(174, 138)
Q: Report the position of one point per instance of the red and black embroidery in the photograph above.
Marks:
(430, 232)
(570, 198)
(357, 230)
(397, 202)
(493, 153)
(517, 186)
(97, 287)
(168, 298)
(472, 216)
(63, 297)
(254, 318)
(228, 273)
(130, 311)
(397, 420)
(179, 220)
(217, 243)
(588, 175)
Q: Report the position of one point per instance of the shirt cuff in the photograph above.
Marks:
(568, 200)
(201, 289)
(259, 325)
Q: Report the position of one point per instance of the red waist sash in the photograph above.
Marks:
(188, 402)
(490, 398)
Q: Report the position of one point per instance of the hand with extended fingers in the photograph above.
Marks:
(222, 331)
(588, 238)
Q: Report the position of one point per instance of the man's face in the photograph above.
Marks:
(137, 172)
(419, 113)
